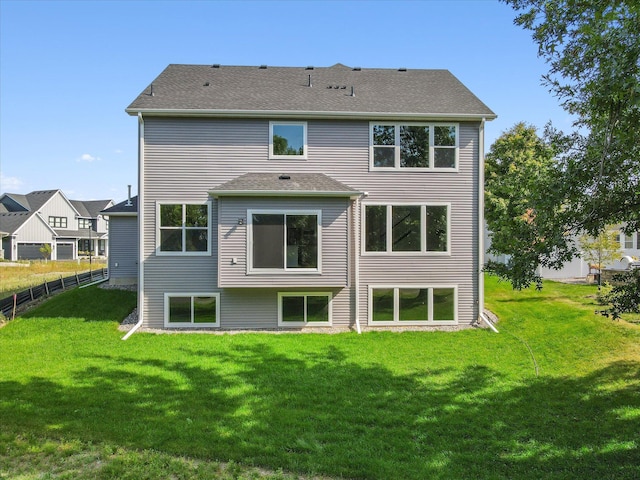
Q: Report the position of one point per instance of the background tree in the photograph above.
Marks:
(602, 249)
(45, 250)
(524, 220)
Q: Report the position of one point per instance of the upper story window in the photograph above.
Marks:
(414, 146)
(284, 241)
(85, 223)
(406, 228)
(58, 222)
(288, 140)
(183, 229)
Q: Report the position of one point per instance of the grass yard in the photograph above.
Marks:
(15, 278)
(79, 403)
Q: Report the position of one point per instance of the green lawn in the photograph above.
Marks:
(77, 402)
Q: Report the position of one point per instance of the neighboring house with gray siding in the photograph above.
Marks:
(283, 197)
(123, 242)
(71, 228)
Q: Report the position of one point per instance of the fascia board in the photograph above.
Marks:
(281, 193)
(310, 115)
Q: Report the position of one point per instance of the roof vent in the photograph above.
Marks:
(353, 92)
(215, 65)
(284, 177)
(263, 67)
(310, 67)
(357, 69)
(402, 69)
(310, 84)
(206, 84)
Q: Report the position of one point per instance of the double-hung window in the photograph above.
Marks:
(192, 310)
(406, 305)
(300, 309)
(288, 140)
(404, 228)
(183, 229)
(284, 241)
(415, 146)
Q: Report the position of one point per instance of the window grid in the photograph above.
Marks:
(429, 228)
(187, 233)
(392, 305)
(58, 222)
(386, 146)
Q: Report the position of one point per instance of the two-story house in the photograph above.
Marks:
(70, 228)
(283, 197)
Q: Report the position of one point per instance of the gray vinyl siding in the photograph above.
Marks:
(186, 157)
(232, 241)
(123, 250)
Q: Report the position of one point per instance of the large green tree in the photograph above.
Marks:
(523, 218)
(593, 52)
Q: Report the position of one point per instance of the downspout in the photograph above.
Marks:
(481, 313)
(357, 241)
(140, 227)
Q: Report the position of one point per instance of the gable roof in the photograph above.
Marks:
(337, 91)
(123, 208)
(11, 222)
(91, 208)
(274, 184)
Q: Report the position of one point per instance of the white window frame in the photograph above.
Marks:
(169, 295)
(627, 241)
(287, 271)
(183, 229)
(396, 306)
(305, 323)
(57, 221)
(389, 234)
(272, 156)
(432, 147)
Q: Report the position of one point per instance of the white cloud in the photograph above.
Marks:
(86, 157)
(118, 151)
(10, 184)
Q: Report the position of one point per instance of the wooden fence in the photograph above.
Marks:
(8, 304)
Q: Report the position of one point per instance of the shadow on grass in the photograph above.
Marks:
(93, 304)
(324, 414)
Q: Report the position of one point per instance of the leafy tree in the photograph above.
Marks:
(521, 178)
(45, 250)
(601, 249)
(593, 52)
(624, 296)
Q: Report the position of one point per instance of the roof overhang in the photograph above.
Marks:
(283, 193)
(462, 117)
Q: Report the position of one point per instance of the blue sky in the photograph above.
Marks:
(69, 69)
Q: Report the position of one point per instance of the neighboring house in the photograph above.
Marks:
(629, 247)
(47, 217)
(283, 197)
(123, 242)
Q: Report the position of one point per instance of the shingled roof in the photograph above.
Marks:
(274, 184)
(337, 91)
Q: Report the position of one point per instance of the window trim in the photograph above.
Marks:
(282, 271)
(282, 323)
(183, 229)
(389, 233)
(432, 146)
(304, 156)
(169, 295)
(396, 322)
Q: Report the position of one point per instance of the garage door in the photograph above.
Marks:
(30, 251)
(65, 251)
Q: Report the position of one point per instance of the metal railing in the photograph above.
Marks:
(8, 305)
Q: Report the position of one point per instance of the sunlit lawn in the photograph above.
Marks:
(78, 402)
(29, 274)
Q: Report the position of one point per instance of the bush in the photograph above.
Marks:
(624, 297)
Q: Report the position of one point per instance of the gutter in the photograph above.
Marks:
(140, 227)
(481, 313)
(185, 112)
(356, 234)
